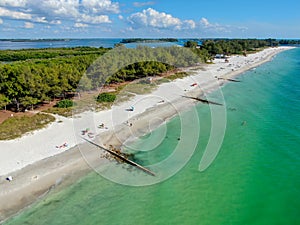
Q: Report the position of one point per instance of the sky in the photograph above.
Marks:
(37, 19)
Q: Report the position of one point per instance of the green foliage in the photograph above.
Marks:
(28, 101)
(51, 73)
(47, 53)
(139, 70)
(4, 101)
(147, 40)
(289, 42)
(106, 97)
(211, 47)
(66, 103)
(191, 44)
(15, 127)
(32, 81)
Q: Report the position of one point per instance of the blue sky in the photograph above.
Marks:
(149, 18)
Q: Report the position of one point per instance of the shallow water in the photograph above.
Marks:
(254, 179)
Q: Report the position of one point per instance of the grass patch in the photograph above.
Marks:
(66, 112)
(198, 68)
(103, 106)
(178, 75)
(15, 127)
(124, 97)
(139, 88)
(162, 81)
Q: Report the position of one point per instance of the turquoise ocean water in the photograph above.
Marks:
(255, 178)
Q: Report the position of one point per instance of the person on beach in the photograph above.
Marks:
(131, 109)
(85, 131)
(9, 178)
(101, 126)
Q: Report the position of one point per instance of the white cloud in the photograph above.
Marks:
(1, 21)
(215, 27)
(155, 19)
(100, 6)
(120, 17)
(141, 4)
(189, 24)
(13, 3)
(14, 14)
(94, 19)
(205, 22)
(163, 22)
(159, 20)
(28, 25)
(52, 11)
(41, 19)
(80, 25)
(58, 8)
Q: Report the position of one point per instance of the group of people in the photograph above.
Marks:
(64, 145)
(87, 131)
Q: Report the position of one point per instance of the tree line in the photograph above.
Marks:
(289, 42)
(31, 76)
(47, 53)
(26, 81)
(210, 47)
(29, 82)
(137, 40)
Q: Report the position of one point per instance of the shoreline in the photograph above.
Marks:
(33, 179)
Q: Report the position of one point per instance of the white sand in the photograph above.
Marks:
(41, 144)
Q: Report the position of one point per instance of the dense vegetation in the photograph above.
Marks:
(139, 70)
(65, 103)
(209, 48)
(289, 42)
(48, 53)
(124, 64)
(106, 97)
(31, 76)
(136, 40)
(29, 81)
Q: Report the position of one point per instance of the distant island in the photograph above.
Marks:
(147, 40)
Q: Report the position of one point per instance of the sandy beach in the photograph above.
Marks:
(40, 161)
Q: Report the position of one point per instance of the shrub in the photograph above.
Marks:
(66, 103)
(106, 97)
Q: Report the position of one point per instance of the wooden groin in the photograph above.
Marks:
(202, 100)
(232, 80)
(122, 158)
